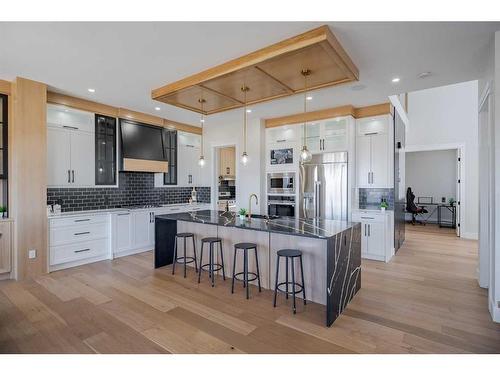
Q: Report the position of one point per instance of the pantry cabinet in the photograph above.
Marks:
(374, 152)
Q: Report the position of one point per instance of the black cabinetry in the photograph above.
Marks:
(105, 150)
(170, 145)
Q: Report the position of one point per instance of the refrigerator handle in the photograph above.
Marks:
(317, 200)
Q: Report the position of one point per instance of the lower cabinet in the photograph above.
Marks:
(377, 239)
(133, 232)
(5, 249)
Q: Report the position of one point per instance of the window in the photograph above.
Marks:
(105, 150)
(170, 144)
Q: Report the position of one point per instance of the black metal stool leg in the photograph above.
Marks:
(234, 270)
(194, 251)
(286, 277)
(175, 255)
(212, 263)
(222, 261)
(257, 265)
(276, 280)
(185, 262)
(245, 270)
(293, 286)
(303, 282)
(201, 263)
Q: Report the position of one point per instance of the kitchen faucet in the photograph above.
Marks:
(250, 204)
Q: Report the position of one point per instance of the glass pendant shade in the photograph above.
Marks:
(305, 155)
(201, 162)
(244, 158)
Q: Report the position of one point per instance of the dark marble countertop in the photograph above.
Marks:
(319, 228)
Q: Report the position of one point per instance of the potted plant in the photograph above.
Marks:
(383, 205)
(242, 212)
(3, 211)
(451, 201)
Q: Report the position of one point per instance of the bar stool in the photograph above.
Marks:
(184, 259)
(212, 266)
(245, 246)
(296, 287)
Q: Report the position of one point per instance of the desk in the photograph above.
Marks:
(447, 223)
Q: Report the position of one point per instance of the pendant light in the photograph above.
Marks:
(244, 155)
(201, 161)
(305, 154)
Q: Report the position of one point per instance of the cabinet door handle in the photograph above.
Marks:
(81, 251)
(81, 233)
(70, 127)
(365, 230)
(73, 176)
(281, 140)
(69, 176)
(369, 230)
(366, 217)
(124, 214)
(79, 220)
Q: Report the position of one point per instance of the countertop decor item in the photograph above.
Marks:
(3, 211)
(243, 213)
(383, 205)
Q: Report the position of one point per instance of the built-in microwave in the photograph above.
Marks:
(281, 183)
(283, 206)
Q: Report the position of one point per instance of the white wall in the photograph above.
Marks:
(225, 131)
(432, 174)
(448, 115)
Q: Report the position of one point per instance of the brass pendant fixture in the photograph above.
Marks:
(201, 161)
(244, 155)
(305, 154)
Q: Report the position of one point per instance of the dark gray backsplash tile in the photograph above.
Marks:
(134, 188)
(371, 198)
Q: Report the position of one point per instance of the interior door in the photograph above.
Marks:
(82, 158)
(58, 157)
(363, 160)
(379, 160)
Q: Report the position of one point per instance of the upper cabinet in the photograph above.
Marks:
(71, 148)
(374, 152)
(105, 150)
(170, 143)
(283, 134)
(327, 135)
(227, 162)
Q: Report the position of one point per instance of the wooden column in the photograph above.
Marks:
(28, 175)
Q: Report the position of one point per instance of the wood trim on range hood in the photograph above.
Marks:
(141, 165)
(322, 114)
(271, 72)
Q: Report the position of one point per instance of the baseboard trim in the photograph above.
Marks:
(494, 311)
(130, 252)
(470, 235)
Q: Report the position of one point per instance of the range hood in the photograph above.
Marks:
(142, 147)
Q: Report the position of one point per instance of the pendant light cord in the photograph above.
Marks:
(245, 89)
(202, 121)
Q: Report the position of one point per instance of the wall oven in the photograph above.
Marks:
(281, 206)
(281, 183)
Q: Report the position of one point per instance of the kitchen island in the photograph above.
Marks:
(331, 250)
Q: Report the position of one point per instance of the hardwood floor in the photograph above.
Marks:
(426, 300)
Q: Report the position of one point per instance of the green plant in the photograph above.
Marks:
(242, 211)
(451, 201)
(3, 209)
(384, 204)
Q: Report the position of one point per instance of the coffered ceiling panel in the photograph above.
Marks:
(269, 73)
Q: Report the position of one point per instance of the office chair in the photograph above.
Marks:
(413, 208)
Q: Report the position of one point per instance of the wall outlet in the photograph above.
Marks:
(32, 254)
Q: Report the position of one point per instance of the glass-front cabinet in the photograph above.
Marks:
(327, 135)
(105, 150)
(170, 145)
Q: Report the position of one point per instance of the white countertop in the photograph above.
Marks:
(115, 210)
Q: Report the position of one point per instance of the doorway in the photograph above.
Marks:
(224, 177)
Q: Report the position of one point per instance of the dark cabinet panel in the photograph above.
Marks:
(105, 150)
(170, 144)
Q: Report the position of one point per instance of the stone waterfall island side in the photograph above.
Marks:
(331, 250)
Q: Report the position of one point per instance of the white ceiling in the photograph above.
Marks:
(124, 61)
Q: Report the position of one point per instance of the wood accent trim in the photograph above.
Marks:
(373, 110)
(5, 246)
(28, 175)
(83, 104)
(288, 45)
(322, 114)
(140, 165)
(139, 117)
(182, 127)
(5, 87)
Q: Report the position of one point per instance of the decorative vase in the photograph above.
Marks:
(242, 217)
(382, 208)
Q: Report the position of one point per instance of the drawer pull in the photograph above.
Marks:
(81, 251)
(174, 209)
(80, 233)
(70, 127)
(366, 217)
(80, 220)
(124, 214)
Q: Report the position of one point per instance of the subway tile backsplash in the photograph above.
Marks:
(134, 188)
(371, 198)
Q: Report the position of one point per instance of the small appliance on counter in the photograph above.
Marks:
(194, 195)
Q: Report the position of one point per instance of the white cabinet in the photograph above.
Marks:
(327, 135)
(374, 152)
(70, 148)
(283, 134)
(143, 224)
(122, 232)
(377, 237)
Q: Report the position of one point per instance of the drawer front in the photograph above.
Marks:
(367, 217)
(77, 233)
(77, 251)
(78, 220)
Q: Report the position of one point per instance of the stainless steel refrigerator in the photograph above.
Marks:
(323, 187)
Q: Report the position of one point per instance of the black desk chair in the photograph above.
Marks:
(412, 208)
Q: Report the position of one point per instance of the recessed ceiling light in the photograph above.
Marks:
(249, 110)
(202, 120)
(395, 80)
(91, 90)
(309, 98)
(157, 108)
(424, 74)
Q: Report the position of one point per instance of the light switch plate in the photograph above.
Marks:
(32, 254)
